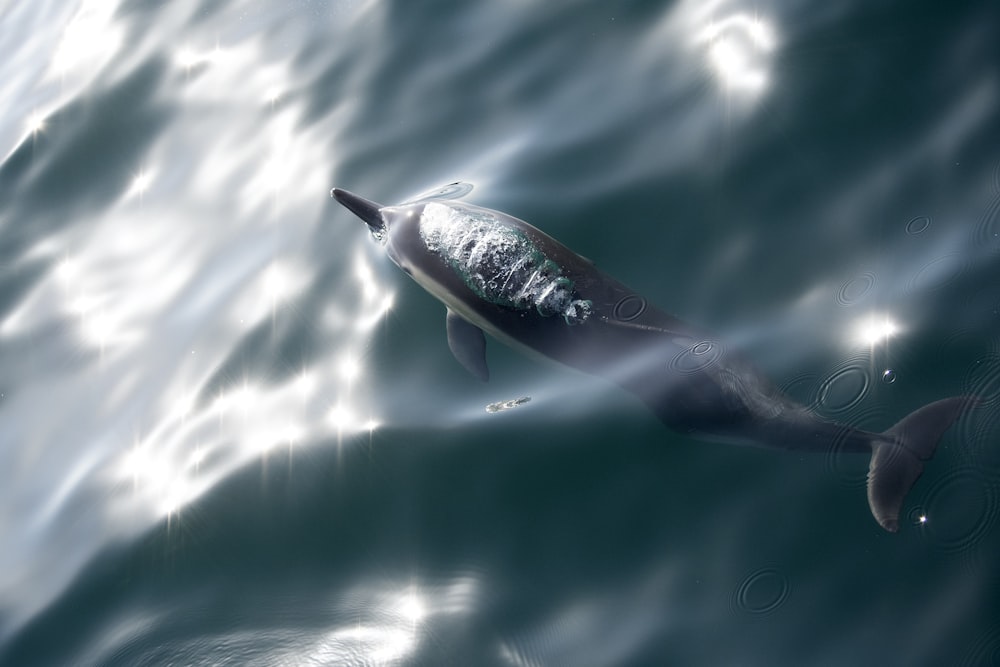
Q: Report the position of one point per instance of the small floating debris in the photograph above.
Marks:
(501, 406)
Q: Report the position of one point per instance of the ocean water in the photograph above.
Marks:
(232, 433)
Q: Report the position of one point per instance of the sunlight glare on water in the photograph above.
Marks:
(738, 48)
(874, 330)
(148, 297)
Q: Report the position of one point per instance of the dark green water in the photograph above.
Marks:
(232, 433)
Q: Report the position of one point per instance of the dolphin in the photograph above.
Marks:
(498, 274)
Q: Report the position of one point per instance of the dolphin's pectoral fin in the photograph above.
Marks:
(468, 344)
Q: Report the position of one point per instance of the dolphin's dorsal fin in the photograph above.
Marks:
(468, 344)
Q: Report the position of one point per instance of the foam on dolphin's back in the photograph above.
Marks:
(499, 262)
(898, 460)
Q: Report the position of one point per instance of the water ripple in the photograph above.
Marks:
(856, 289)
(937, 273)
(844, 388)
(981, 427)
(761, 592)
(698, 357)
(918, 225)
(984, 651)
(802, 387)
(987, 232)
(851, 468)
(629, 307)
(961, 508)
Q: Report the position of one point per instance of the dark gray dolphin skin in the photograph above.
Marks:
(500, 275)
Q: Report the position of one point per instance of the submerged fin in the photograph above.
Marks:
(898, 460)
(468, 344)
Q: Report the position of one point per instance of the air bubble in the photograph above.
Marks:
(888, 376)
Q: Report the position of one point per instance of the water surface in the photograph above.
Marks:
(231, 432)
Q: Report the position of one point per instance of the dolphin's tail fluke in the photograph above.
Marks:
(898, 458)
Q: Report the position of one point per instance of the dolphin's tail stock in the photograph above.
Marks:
(898, 458)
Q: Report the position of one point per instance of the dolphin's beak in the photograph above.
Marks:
(365, 209)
